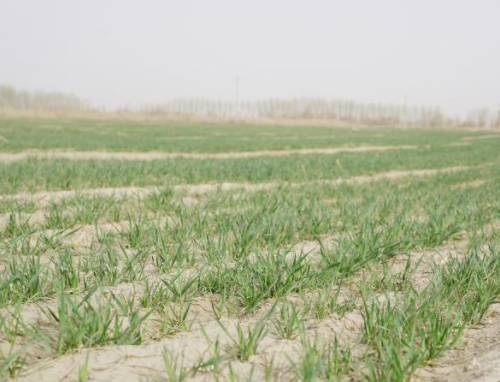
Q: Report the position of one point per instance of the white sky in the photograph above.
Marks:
(124, 52)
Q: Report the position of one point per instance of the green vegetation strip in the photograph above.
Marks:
(89, 135)
(150, 259)
(58, 174)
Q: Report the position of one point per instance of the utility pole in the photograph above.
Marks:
(236, 96)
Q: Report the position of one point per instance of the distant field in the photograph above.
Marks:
(88, 135)
(315, 254)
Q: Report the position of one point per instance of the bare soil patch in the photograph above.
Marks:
(126, 363)
(148, 156)
(481, 137)
(459, 144)
(472, 184)
(48, 196)
(476, 358)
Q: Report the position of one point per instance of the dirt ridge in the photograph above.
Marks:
(47, 196)
(156, 155)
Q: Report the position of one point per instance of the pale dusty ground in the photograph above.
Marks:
(474, 183)
(459, 144)
(476, 357)
(481, 137)
(47, 196)
(11, 157)
(144, 363)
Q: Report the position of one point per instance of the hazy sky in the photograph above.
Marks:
(117, 52)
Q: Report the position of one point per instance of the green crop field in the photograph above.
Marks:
(23, 134)
(153, 251)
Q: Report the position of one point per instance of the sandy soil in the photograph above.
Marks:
(459, 144)
(480, 137)
(38, 217)
(476, 357)
(47, 196)
(86, 155)
(145, 363)
(471, 184)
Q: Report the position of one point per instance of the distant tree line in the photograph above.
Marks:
(482, 118)
(329, 110)
(312, 109)
(11, 98)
